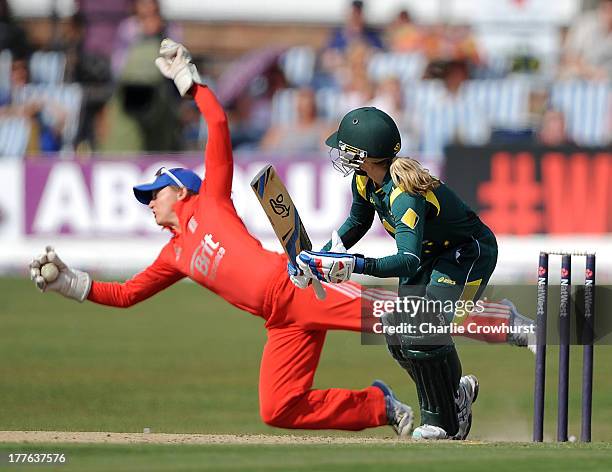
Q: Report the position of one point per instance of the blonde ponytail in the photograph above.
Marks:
(409, 175)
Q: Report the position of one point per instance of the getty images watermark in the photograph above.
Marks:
(447, 315)
(420, 316)
(434, 317)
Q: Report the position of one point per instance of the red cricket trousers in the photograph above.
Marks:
(297, 325)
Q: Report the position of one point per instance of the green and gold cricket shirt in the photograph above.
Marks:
(423, 226)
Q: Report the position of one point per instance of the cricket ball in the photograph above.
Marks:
(49, 272)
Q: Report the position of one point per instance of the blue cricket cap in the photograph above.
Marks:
(178, 177)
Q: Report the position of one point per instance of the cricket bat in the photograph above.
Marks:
(285, 219)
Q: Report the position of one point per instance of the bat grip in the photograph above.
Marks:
(319, 290)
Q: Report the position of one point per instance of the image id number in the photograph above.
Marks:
(36, 458)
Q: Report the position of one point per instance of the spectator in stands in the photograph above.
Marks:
(588, 46)
(452, 53)
(307, 134)
(444, 42)
(146, 22)
(20, 72)
(12, 36)
(403, 35)
(389, 97)
(337, 70)
(553, 131)
(453, 74)
(251, 115)
(464, 41)
(355, 29)
(451, 117)
(349, 75)
(90, 70)
(47, 118)
(357, 92)
(190, 125)
(244, 133)
(354, 37)
(143, 113)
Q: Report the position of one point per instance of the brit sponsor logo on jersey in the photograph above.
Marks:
(207, 257)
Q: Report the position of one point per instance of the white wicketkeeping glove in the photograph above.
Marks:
(175, 64)
(70, 283)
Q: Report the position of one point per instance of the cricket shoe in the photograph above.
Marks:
(527, 336)
(429, 432)
(399, 415)
(466, 396)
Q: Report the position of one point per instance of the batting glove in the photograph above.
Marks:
(175, 64)
(331, 267)
(297, 276)
(70, 283)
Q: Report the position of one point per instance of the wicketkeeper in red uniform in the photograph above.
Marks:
(209, 245)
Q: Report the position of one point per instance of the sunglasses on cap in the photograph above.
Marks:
(163, 170)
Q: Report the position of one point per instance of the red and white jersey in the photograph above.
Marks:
(212, 245)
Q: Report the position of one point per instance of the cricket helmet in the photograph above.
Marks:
(364, 132)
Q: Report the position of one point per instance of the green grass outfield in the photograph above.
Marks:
(186, 362)
(500, 457)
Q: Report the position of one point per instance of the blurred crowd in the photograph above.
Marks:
(433, 79)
